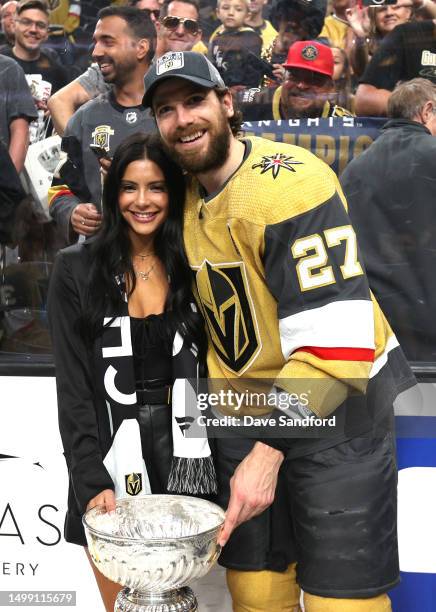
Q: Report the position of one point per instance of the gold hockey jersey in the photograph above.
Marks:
(63, 12)
(280, 279)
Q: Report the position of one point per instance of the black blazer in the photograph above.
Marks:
(91, 408)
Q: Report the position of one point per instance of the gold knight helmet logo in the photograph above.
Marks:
(227, 307)
(133, 483)
(101, 136)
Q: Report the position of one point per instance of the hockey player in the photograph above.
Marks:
(124, 47)
(280, 284)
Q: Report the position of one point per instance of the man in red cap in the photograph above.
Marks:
(307, 91)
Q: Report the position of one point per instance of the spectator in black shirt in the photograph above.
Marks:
(43, 72)
(235, 48)
(31, 31)
(408, 52)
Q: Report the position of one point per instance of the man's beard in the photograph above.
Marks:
(215, 156)
(294, 111)
(121, 72)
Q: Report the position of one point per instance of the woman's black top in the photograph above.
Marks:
(151, 344)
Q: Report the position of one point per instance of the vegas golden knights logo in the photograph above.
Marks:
(101, 136)
(227, 308)
(133, 483)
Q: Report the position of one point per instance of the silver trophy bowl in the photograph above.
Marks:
(154, 546)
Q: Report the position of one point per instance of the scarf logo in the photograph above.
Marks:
(184, 423)
(275, 163)
(133, 483)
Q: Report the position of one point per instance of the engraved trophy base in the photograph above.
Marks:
(178, 600)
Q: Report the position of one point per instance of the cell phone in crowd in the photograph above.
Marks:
(100, 152)
(377, 2)
(262, 66)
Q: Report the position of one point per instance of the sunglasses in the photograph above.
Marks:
(306, 76)
(172, 23)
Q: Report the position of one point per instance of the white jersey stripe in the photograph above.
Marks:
(347, 324)
(382, 359)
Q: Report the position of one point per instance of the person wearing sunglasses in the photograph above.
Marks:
(178, 28)
(308, 89)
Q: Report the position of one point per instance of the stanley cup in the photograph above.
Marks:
(154, 546)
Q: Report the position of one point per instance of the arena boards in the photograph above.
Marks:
(33, 489)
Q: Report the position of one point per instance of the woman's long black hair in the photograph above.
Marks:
(111, 248)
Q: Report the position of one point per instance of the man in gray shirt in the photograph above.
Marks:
(124, 46)
(16, 110)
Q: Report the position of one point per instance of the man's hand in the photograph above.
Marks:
(279, 72)
(106, 498)
(85, 219)
(252, 487)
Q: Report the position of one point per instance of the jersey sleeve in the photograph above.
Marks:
(68, 187)
(314, 269)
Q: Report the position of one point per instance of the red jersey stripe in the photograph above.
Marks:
(57, 194)
(339, 353)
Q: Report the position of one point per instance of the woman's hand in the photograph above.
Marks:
(85, 219)
(358, 18)
(106, 498)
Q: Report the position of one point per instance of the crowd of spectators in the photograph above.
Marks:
(371, 48)
(282, 60)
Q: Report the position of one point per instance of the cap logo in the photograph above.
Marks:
(170, 61)
(309, 52)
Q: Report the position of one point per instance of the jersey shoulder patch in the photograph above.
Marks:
(283, 180)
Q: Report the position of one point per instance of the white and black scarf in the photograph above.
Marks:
(192, 470)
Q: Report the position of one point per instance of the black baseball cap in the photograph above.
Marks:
(188, 65)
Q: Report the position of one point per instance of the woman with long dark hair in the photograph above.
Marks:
(126, 337)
